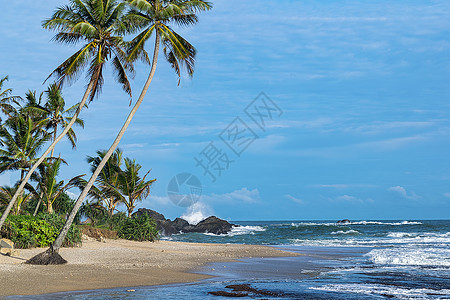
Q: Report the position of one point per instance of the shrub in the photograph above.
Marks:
(73, 237)
(40, 231)
(141, 229)
(29, 231)
(116, 221)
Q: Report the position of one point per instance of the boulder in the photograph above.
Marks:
(343, 222)
(151, 213)
(5, 243)
(167, 227)
(179, 224)
(211, 225)
(7, 248)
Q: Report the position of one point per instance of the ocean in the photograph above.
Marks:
(360, 260)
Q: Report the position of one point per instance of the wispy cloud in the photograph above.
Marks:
(343, 186)
(404, 193)
(294, 199)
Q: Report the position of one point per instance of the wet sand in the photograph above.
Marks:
(120, 263)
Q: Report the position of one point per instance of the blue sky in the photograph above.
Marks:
(363, 87)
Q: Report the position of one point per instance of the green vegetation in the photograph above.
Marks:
(39, 205)
(141, 228)
(41, 231)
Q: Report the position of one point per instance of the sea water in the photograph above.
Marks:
(361, 260)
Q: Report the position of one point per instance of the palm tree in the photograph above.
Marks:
(132, 186)
(108, 180)
(21, 138)
(48, 186)
(155, 16)
(6, 99)
(6, 193)
(54, 113)
(95, 23)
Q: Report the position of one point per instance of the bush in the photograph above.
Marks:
(141, 229)
(29, 231)
(73, 237)
(40, 231)
(116, 221)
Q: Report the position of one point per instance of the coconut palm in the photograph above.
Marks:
(48, 186)
(94, 23)
(6, 99)
(21, 138)
(54, 113)
(108, 180)
(132, 187)
(6, 194)
(153, 16)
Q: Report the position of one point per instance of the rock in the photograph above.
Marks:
(343, 222)
(167, 227)
(179, 224)
(211, 225)
(151, 213)
(7, 248)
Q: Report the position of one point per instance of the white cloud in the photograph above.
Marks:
(343, 186)
(403, 192)
(243, 195)
(296, 200)
(348, 198)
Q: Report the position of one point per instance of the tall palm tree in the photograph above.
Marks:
(132, 187)
(95, 24)
(108, 180)
(49, 186)
(154, 16)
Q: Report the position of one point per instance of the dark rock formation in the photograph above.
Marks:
(167, 227)
(211, 225)
(179, 224)
(343, 222)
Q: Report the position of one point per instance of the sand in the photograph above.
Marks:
(119, 263)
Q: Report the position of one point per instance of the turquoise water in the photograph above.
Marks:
(361, 260)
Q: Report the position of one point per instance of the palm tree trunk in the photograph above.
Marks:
(59, 240)
(54, 138)
(39, 204)
(44, 155)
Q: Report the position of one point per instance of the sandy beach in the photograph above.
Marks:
(119, 263)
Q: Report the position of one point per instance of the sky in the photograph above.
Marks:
(304, 110)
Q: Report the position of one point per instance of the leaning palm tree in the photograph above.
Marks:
(132, 187)
(154, 16)
(95, 24)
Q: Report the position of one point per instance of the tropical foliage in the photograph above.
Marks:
(27, 125)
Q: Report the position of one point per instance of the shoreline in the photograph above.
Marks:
(121, 263)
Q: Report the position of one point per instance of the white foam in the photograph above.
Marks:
(197, 212)
(411, 256)
(378, 289)
(346, 232)
(239, 230)
(385, 223)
